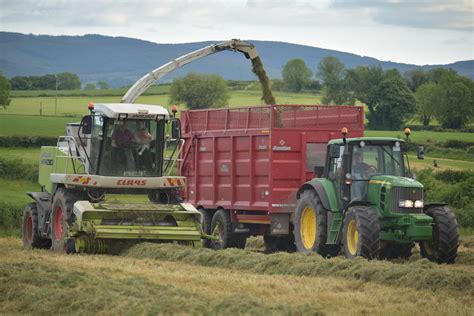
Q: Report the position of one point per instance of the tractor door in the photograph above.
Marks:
(335, 169)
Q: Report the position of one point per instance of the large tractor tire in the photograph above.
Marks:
(361, 234)
(206, 219)
(275, 244)
(30, 233)
(444, 246)
(310, 226)
(396, 251)
(62, 217)
(221, 227)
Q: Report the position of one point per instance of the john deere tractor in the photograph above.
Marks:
(367, 203)
(116, 149)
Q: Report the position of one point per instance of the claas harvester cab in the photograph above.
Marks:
(117, 149)
(368, 203)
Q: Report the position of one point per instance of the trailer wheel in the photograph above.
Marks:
(206, 226)
(221, 227)
(395, 251)
(444, 246)
(62, 216)
(310, 226)
(274, 244)
(361, 233)
(30, 233)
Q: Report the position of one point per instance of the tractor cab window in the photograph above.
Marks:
(131, 148)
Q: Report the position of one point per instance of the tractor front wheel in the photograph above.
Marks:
(361, 235)
(30, 233)
(444, 246)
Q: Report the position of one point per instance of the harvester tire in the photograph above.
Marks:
(310, 226)
(361, 233)
(444, 246)
(221, 226)
(396, 251)
(30, 234)
(206, 219)
(62, 216)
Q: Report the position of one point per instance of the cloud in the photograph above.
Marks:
(431, 14)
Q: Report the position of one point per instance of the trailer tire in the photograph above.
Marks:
(276, 243)
(444, 247)
(206, 219)
(310, 226)
(361, 233)
(221, 226)
(30, 234)
(395, 251)
(62, 216)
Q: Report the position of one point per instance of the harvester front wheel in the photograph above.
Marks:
(30, 233)
(62, 217)
(310, 226)
(361, 235)
(444, 246)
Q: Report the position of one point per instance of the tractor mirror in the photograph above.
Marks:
(334, 151)
(86, 125)
(420, 152)
(175, 129)
(318, 171)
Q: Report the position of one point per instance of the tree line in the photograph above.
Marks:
(60, 81)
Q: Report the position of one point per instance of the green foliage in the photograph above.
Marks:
(16, 169)
(10, 215)
(103, 85)
(296, 75)
(428, 99)
(335, 89)
(68, 81)
(5, 87)
(27, 141)
(199, 91)
(90, 86)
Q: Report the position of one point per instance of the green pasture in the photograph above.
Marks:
(442, 163)
(29, 125)
(25, 155)
(424, 136)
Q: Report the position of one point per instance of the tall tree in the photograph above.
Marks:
(103, 85)
(416, 77)
(296, 74)
(68, 81)
(199, 91)
(4, 91)
(429, 97)
(335, 89)
(90, 86)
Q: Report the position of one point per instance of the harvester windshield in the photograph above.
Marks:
(128, 147)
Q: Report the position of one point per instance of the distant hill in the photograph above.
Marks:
(121, 61)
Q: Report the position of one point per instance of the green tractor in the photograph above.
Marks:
(116, 149)
(367, 202)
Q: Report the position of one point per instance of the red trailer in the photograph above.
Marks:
(244, 165)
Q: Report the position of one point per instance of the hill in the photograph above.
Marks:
(121, 60)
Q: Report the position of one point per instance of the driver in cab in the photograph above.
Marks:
(122, 139)
(360, 172)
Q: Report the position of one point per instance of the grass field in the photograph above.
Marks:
(39, 282)
(424, 136)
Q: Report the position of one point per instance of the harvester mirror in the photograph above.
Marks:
(420, 152)
(175, 129)
(334, 151)
(86, 125)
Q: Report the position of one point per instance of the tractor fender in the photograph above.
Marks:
(316, 185)
(43, 206)
(428, 205)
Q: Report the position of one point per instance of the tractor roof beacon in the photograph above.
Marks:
(117, 148)
(368, 203)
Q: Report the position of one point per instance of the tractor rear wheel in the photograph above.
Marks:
(30, 233)
(361, 235)
(62, 216)
(444, 246)
(221, 227)
(310, 226)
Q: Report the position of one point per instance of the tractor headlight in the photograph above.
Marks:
(419, 204)
(405, 203)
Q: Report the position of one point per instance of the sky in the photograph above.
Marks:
(408, 31)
